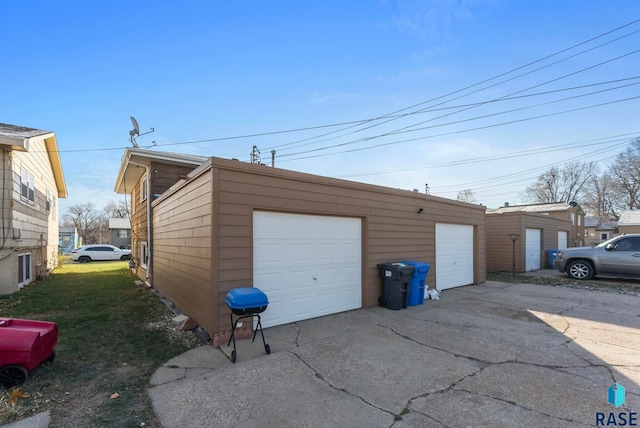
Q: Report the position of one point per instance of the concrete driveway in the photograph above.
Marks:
(494, 355)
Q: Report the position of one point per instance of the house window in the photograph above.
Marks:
(27, 186)
(143, 188)
(66, 240)
(604, 236)
(122, 233)
(579, 220)
(24, 269)
(144, 255)
(573, 219)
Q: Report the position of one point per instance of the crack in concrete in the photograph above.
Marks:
(320, 377)
(297, 334)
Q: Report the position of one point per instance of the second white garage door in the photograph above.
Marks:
(454, 255)
(308, 266)
(533, 249)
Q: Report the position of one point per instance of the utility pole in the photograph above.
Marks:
(255, 155)
(514, 237)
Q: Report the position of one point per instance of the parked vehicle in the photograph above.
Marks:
(88, 253)
(24, 345)
(619, 256)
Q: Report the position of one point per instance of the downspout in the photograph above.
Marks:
(6, 205)
(4, 197)
(149, 234)
(149, 245)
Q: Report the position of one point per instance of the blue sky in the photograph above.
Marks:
(212, 70)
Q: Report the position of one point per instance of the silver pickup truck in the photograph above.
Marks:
(619, 256)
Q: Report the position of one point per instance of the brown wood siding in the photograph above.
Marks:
(499, 254)
(138, 228)
(164, 176)
(392, 228)
(626, 229)
(182, 249)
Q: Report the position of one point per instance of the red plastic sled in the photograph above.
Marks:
(24, 345)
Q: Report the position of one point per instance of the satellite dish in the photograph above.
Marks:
(136, 128)
(135, 132)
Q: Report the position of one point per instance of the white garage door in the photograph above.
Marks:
(532, 249)
(563, 239)
(308, 266)
(454, 255)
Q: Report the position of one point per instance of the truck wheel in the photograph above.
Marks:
(580, 269)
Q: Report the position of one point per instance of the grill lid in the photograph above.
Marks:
(244, 298)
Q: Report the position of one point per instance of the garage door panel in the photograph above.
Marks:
(454, 255)
(314, 268)
(326, 251)
(269, 253)
(533, 249)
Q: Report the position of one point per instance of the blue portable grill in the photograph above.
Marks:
(246, 302)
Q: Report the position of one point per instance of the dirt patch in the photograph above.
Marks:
(555, 278)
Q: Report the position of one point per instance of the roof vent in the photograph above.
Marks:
(506, 204)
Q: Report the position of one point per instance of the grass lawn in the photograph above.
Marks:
(112, 337)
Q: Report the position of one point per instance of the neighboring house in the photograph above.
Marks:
(629, 222)
(569, 211)
(68, 240)
(597, 231)
(143, 173)
(120, 232)
(31, 184)
(311, 243)
(537, 235)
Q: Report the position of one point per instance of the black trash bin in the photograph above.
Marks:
(395, 284)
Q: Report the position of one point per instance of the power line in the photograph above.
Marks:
(391, 115)
(480, 83)
(521, 153)
(463, 130)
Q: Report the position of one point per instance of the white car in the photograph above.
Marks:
(88, 253)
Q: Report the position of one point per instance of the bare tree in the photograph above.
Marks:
(119, 209)
(466, 195)
(601, 199)
(562, 185)
(87, 221)
(625, 173)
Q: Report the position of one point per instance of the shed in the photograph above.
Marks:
(311, 243)
(537, 234)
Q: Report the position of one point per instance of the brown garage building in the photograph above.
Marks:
(311, 243)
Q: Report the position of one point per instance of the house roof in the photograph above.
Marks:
(119, 223)
(67, 229)
(18, 138)
(630, 218)
(609, 225)
(534, 208)
(591, 221)
(134, 161)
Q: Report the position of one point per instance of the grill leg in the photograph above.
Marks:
(267, 348)
(233, 337)
(234, 324)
